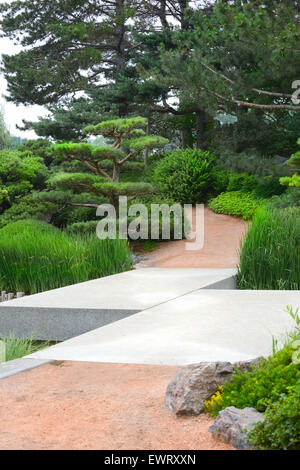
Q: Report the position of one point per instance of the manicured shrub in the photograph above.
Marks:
(186, 175)
(270, 254)
(237, 203)
(35, 256)
(281, 428)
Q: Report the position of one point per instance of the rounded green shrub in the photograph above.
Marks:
(186, 175)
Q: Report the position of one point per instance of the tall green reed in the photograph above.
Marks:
(35, 256)
(270, 253)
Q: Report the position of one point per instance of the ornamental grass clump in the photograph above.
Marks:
(270, 253)
(16, 348)
(35, 256)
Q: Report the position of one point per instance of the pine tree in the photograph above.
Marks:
(88, 188)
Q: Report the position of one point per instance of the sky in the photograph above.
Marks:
(14, 114)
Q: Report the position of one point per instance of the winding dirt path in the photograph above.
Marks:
(81, 405)
(222, 235)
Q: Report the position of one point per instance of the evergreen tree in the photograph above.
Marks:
(84, 46)
(88, 188)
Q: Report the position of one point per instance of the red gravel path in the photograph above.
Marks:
(222, 235)
(80, 405)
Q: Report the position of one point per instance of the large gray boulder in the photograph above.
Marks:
(194, 384)
(232, 425)
(245, 366)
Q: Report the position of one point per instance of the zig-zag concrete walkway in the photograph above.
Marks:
(153, 316)
(205, 325)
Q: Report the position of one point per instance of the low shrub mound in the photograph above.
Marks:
(281, 428)
(35, 256)
(237, 203)
(270, 255)
(263, 385)
(186, 175)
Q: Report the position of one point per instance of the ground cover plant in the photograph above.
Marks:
(270, 253)
(263, 385)
(237, 203)
(281, 427)
(35, 256)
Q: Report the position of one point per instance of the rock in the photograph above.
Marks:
(20, 294)
(232, 423)
(137, 258)
(194, 384)
(245, 366)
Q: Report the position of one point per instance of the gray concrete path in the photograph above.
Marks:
(60, 314)
(206, 325)
(132, 290)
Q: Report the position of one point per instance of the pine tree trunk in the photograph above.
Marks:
(201, 125)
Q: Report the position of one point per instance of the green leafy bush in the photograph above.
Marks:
(220, 179)
(28, 207)
(237, 203)
(291, 181)
(291, 198)
(186, 175)
(280, 429)
(264, 384)
(269, 186)
(35, 256)
(270, 254)
(82, 227)
(242, 182)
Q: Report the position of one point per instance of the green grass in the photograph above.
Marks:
(35, 256)
(20, 347)
(270, 254)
